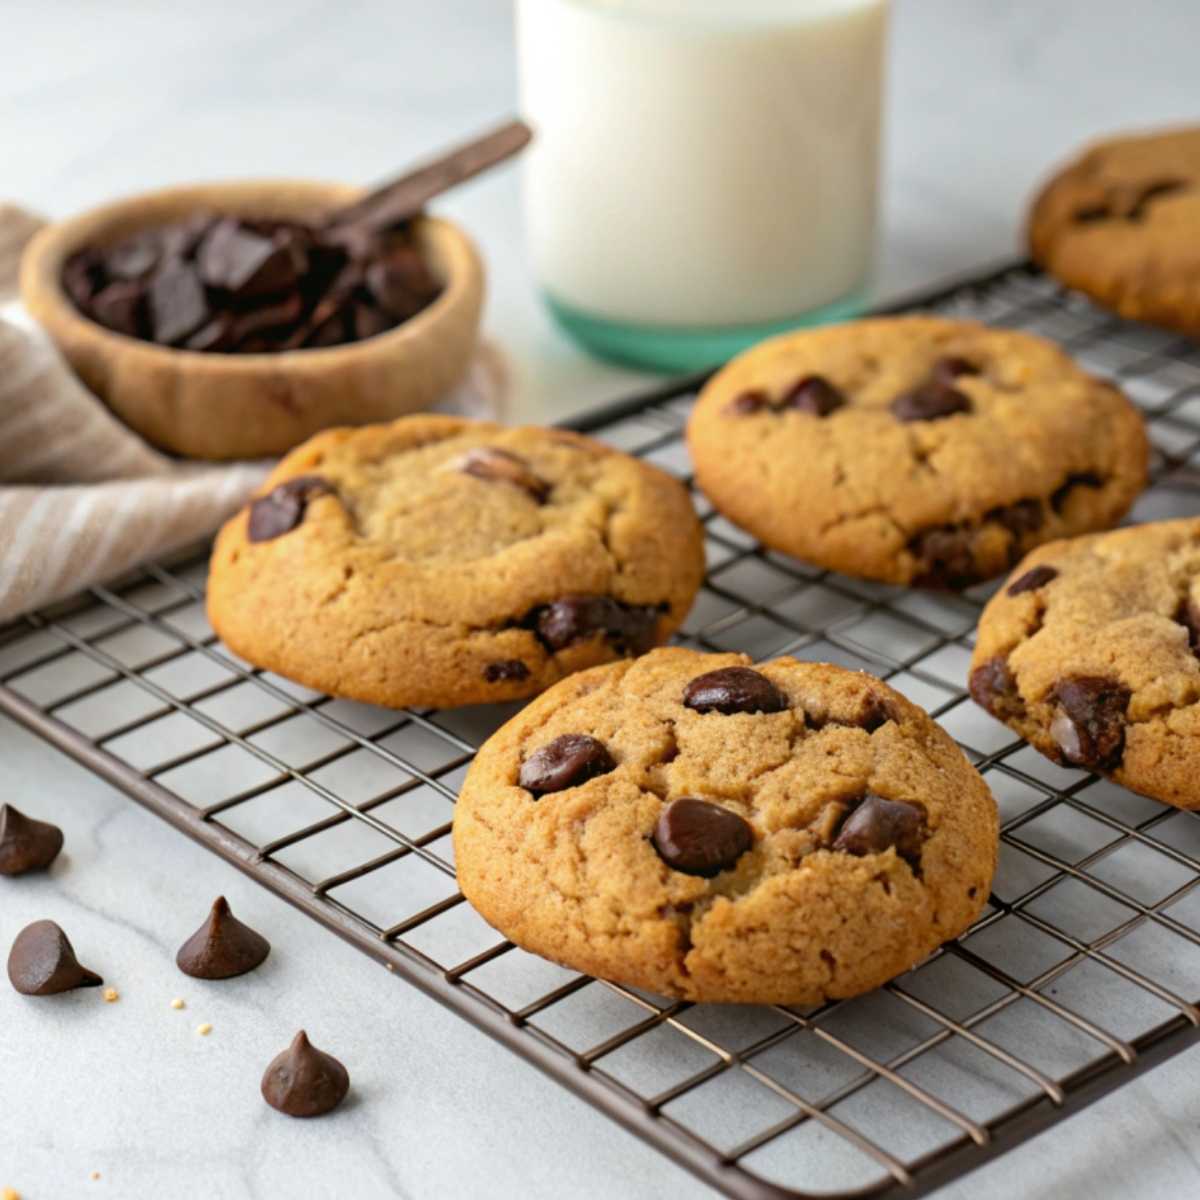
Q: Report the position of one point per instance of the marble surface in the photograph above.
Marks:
(100, 99)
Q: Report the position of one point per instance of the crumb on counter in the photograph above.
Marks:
(178, 1003)
(204, 1029)
(94, 1175)
(111, 995)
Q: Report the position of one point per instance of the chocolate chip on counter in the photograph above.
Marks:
(816, 395)
(26, 844)
(566, 762)
(1188, 615)
(494, 465)
(222, 947)
(1058, 497)
(176, 303)
(1021, 517)
(700, 838)
(733, 690)
(944, 558)
(930, 401)
(876, 824)
(1032, 580)
(946, 370)
(746, 403)
(282, 508)
(506, 671)
(304, 1081)
(1089, 722)
(994, 689)
(42, 962)
(630, 628)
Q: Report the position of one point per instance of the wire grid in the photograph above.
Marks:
(1084, 968)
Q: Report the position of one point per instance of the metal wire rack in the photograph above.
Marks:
(1083, 971)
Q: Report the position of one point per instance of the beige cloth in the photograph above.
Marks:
(82, 497)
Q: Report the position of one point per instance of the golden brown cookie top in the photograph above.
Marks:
(1089, 651)
(914, 449)
(710, 829)
(481, 549)
(1122, 223)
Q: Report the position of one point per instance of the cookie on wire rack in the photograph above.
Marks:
(915, 450)
(439, 561)
(705, 829)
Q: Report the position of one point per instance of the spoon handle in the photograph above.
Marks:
(401, 198)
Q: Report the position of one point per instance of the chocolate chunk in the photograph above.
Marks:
(630, 628)
(1089, 721)
(176, 302)
(217, 335)
(876, 824)
(566, 762)
(931, 401)
(733, 690)
(398, 280)
(134, 257)
(494, 465)
(42, 962)
(508, 670)
(1059, 496)
(944, 558)
(26, 844)
(83, 276)
(1032, 580)
(994, 689)
(121, 307)
(746, 403)
(1188, 615)
(816, 395)
(947, 370)
(699, 838)
(266, 318)
(222, 947)
(245, 263)
(1024, 516)
(283, 508)
(304, 1081)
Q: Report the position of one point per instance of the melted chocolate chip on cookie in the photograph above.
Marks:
(494, 465)
(994, 689)
(508, 670)
(283, 508)
(733, 690)
(1089, 723)
(697, 837)
(1032, 580)
(815, 395)
(566, 762)
(1188, 615)
(630, 628)
(876, 824)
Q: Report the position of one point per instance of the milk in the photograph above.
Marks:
(703, 163)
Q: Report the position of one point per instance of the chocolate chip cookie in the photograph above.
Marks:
(1122, 224)
(440, 561)
(714, 831)
(915, 450)
(1089, 653)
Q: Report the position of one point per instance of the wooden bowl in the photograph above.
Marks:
(221, 406)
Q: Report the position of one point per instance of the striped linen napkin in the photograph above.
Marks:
(82, 497)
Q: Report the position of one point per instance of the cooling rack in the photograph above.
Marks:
(1083, 971)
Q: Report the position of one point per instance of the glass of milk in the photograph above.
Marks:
(704, 172)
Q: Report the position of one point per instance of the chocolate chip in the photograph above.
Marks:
(944, 558)
(494, 465)
(947, 370)
(222, 947)
(1188, 615)
(1089, 721)
(566, 762)
(176, 303)
(875, 714)
(994, 689)
(746, 403)
(699, 838)
(1022, 517)
(42, 962)
(877, 824)
(26, 844)
(1058, 497)
(931, 401)
(733, 690)
(304, 1081)
(398, 280)
(506, 671)
(1032, 580)
(816, 395)
(630, 628)
(282, 508)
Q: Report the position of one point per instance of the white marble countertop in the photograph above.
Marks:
(100, 99)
